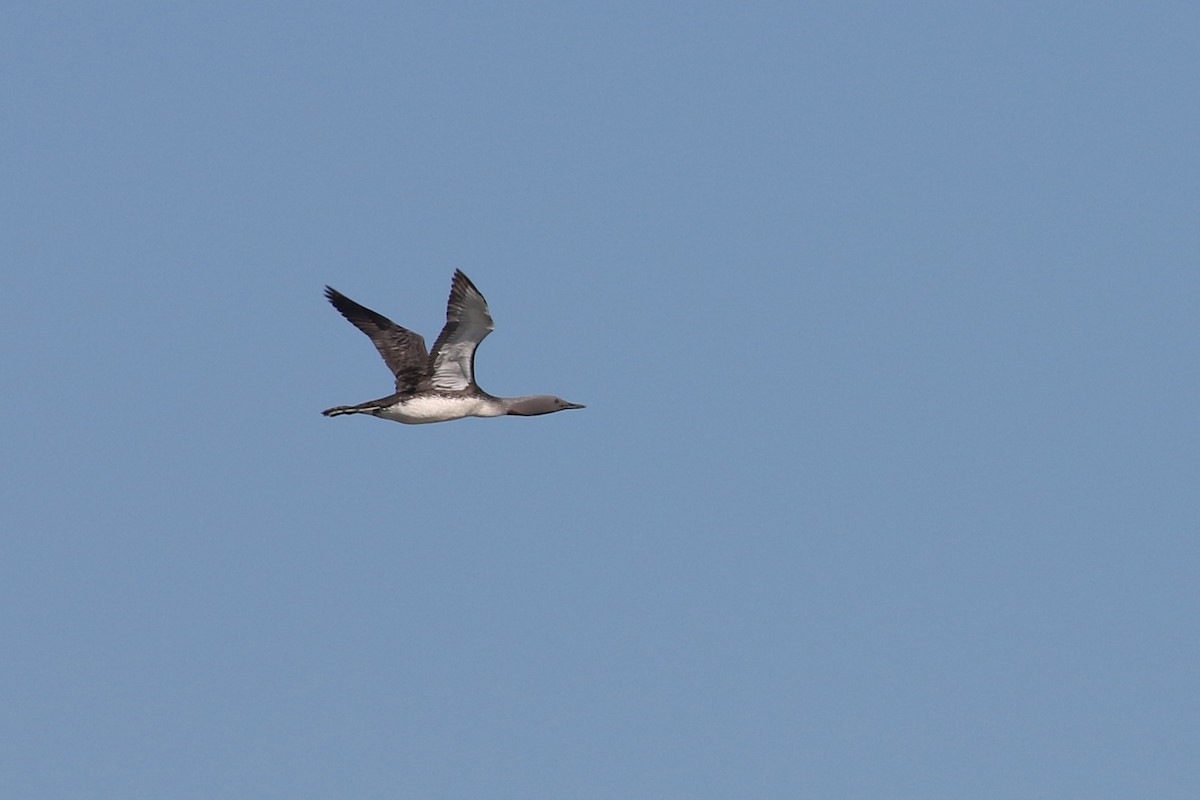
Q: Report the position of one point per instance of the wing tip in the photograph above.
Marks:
(461, 285)
(463, 295)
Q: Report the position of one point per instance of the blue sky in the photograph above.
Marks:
(885, 318)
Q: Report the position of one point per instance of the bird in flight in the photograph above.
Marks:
(436, 386)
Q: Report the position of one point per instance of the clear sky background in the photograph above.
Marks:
(886, 321)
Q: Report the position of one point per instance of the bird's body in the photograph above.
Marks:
(419, 409)
(438, 386)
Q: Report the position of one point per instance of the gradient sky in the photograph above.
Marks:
(886, 322)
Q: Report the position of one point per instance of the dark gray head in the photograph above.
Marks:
(538, 404)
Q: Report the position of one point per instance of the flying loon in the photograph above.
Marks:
(438, 386)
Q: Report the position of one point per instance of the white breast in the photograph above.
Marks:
(433, 408)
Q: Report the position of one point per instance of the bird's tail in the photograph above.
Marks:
(365, 408)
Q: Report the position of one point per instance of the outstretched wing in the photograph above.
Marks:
(452, 363)
(402, 350)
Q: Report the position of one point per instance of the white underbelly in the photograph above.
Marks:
(421, 410)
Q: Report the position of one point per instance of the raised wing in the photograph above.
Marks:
(402, 350)
(452, 363)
